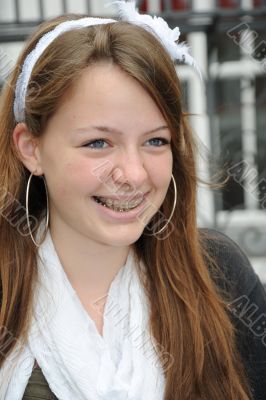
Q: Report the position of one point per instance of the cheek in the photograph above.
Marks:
(69, 177)
(162, 170)
(77, 177)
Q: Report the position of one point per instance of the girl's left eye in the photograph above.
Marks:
(158, 142)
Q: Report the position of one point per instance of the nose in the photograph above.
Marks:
(130, 172)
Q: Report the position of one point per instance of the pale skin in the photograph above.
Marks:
(92, 246)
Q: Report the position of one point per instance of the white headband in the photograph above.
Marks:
(127, 11)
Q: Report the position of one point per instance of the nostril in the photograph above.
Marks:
(127, 187)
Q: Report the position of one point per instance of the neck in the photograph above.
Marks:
(90, 266)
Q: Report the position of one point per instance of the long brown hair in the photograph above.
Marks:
(189, 321)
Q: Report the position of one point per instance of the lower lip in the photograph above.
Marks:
(121, 215)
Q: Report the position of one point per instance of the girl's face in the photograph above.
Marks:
(106, 133)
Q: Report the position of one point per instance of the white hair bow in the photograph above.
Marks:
(128, 11)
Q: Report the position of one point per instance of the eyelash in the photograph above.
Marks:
(163, 140)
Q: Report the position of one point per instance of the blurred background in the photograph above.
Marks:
(228, 40)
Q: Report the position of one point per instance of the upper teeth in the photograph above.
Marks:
(120, 204)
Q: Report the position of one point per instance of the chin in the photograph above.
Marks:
(124, 238)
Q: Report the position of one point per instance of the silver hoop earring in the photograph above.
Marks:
(171, 214)
(27, 210)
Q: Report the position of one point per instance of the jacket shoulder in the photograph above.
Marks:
(247, 305)
(229, 266)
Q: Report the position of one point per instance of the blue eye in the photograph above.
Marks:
(158, 142)
(96, 144)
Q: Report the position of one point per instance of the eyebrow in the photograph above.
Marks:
(108, 129)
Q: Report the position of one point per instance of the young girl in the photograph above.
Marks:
(108, 288)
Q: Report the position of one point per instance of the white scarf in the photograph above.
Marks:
(77, 362)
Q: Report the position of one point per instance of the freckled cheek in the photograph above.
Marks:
(78, 178)
(162, 171)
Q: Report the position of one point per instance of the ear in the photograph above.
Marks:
(27, 147)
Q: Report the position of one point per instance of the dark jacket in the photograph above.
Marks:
(247, 312)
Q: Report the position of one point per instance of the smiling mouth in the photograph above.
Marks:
(116, 205)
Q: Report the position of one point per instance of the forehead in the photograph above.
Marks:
(106, 95)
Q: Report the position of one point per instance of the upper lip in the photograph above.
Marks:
(124, 198)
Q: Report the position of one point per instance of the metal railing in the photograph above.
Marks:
(40, 5)
(176, 13)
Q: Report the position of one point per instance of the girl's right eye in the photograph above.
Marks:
(96, 144)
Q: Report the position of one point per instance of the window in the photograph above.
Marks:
(238, 120)
(229, 149)
(261, 139)
(180, 5)
(226, 48)
(259, 3)
(176, 4)
(228, 3)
